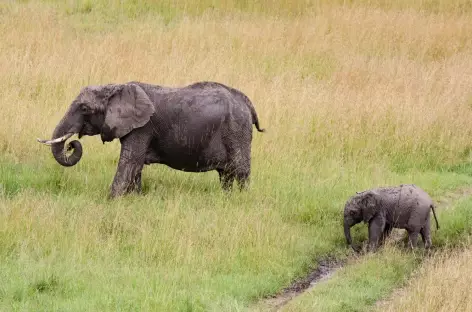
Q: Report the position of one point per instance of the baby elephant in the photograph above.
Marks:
(405, 207)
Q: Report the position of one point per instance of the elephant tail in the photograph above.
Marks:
(247, 101)
(255, 120)
(435, 218)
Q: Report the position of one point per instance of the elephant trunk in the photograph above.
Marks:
(62, 158)
(61, 133)
(347, 233)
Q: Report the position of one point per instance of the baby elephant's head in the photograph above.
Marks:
(361, 207)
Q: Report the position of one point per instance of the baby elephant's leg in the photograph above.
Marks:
(376, 229)
(416, 223)
(412, 238)
(426, 236)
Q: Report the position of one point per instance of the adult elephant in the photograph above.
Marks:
(200, 127)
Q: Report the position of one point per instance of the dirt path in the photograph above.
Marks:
(328, 266)
(324, 271)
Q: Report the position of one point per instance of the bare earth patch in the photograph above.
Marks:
(323, 271)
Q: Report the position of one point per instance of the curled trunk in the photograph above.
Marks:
(58, 151)
(62, 158)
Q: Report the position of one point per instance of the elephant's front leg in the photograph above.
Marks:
(130, 165)
(376, 229)
(127, 177)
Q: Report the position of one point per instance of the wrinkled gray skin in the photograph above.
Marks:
(405, 207)
(201, 127)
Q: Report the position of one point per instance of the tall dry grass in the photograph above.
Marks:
(441, 284)
(345, 83)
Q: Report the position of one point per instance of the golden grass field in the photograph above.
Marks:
(353, 94)
(441, 284)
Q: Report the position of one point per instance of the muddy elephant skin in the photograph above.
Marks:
(200, 127)
(405, 207)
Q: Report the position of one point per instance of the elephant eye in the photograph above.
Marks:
(352, 212)
(84, 108)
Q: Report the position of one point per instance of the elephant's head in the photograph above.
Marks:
(361, 207)
(110, 110)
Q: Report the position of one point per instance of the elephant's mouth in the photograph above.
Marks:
(82, 131)
(89, 130)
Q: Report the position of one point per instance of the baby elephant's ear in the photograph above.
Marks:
(128, 109)
(370, 205)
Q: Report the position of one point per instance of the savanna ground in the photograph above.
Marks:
(354, 95)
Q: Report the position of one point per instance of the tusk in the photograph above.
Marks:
(58, 140)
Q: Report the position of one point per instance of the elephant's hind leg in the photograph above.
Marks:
(239, 169)
(242, 168)
(226, 179)
(426, 236)
(242, 176)
(415, 225)
(239, 154)
(412, 238)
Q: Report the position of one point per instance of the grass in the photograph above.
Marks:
(351, 97)
(357, 286)
(439, 285)
(360, 284)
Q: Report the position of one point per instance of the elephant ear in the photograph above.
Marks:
(370, 205)
(128, 108)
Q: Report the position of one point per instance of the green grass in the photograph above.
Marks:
(184, 245)
(358, 286)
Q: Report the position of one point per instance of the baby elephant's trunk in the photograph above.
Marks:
(347, 233)
(436, 219)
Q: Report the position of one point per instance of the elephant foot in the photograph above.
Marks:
(124, 189)
(226, 180)
(357, 249)
(116, 193)
(371, 248)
